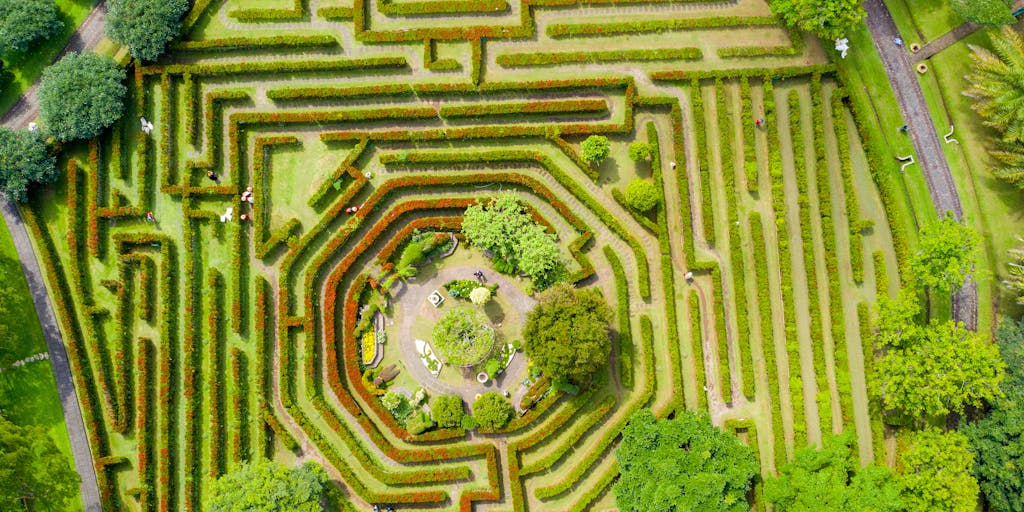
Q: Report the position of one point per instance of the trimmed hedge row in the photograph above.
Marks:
(569, 441)
(622, 304)
(640, 218)
(258, 43)
(346, 168)
(746, 424)
(781, 72)
(431, 63)
(335, 13)
(722, 342)
(265, 239)
(214, 394)
(533, 107)
(750, 170)
(560, 30)
(767, 333)
(874, 407)
(856, 224)
(881, 274)
(263, 443)
(144, 421)
(698, 343)
(277, 66)
(239, 407)
(403, 8)
(296, 13)
(795, 47)
(574, 155)
(703, 171)
(511, 60)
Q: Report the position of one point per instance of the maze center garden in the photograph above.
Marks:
(744, 293)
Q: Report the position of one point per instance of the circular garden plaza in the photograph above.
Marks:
(473, 255)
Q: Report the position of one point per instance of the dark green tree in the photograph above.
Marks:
(984, 12)
(24, 160)
(34, 474)
(492, 411)
(566, 334)
(833, 479)
(145, 26)
(267, 486)
(595, 149)
(828, 19)
(683, 464)
(503, 226)
(23, 22)
(642, 195)
(447, 410)
(81, 95)
(936, 473)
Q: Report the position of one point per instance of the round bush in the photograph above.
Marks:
(463, 336)
(447, 411)
(642, 195)
(595, 149)
(81, 95)
(480, 295)
(492, 411)
(566, 335)
(23, 22)
(641, 151)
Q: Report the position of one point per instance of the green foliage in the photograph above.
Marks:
(682, 464)
(997, 88)
(480, 295)
(833, 479)
(81, 95)
(932, 369)
(145, 26)
(463, 336)
(1015, 269)
(447, 411)
(642, 195)
(23, 22)
(947, 252)
(418, 422)
(984, 12)
(24, 160)
(492, 411)
(936, 473)
(397, 404)
(270, 487)
(566, 334)
(640, 150)
(595, 149)
(502, 226)
(34, 474)
(827, 19)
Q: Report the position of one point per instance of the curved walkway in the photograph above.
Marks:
(58, 358)
(922, 132)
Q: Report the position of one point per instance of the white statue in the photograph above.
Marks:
(227, 214)
(146, 125)
(842, 46)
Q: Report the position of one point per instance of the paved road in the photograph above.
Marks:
(930, 158)
(58, 358)
(88, 35)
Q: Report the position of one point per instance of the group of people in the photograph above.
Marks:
(480, 276)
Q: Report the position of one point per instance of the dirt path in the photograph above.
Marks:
(944, 41)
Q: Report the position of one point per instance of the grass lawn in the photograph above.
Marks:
(22, 70)
(28, 394)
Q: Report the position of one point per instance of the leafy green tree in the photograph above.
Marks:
(463, 336)
(984, 12)
(641, 151)
(24, 160)
(566, 334)
(683, 464)
(947, 252)
(595, 149)
(145, 26)
(81, 95)
(539, 256)
(447, 410)
(34, 474)
(23, 22)
(267, 486)
(934, 369)
(997, 440)
(492, 411)
(833, 479)
(642, 195)
(827, 19)
(937, 473)
(502, 226)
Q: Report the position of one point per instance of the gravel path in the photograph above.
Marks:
(58, 358)
(922, 132)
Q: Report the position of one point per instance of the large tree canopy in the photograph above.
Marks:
(566, 334)
(997, 88)
(81, 95)
(503, 226)
(34, 474)
(984, 12)
(932, 369)
(937, 473)
(683, 464)
(24, 160)
(23, 22)
(492, 411)
(832, 479)
(828, 19)
(145, 26)
(947, 252)
(267, 486)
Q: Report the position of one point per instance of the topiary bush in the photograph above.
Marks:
(595, 149)
(641, 151)
(642, 195)
(492, 411)
(81, 95)
(447, 411)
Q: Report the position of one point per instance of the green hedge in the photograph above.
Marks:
(735, 426)
(795, 47)
(881, 274)
(560, 30)
(874, 406)
(698, 345)
(511, 60)
(261, 43)
(626, 352)
(524, 108)
(703, 167)
(296, 13)
(406, 8)
(570, 441)
(764, 301)
(856, 224)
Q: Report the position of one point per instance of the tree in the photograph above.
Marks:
(81, 95)
(997, 440)
(832, 479)
(539, 256)
(984, 12)
(937, 473)
(24, 160)
(934, 369)
(502, 226)
(1015, 270)
(682, 464)
(566, 334)
(463, 336)
(33, 472)
(639, 150)
(145, 26)
(269, 487)
(447, 411)
(595, 149)
(642, 195)
(480, 295)
(23, 22)
(997, 84)
(492, 411)
(947, 252)
(827, 19)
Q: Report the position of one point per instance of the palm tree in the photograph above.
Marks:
(997, 84)
(1010, 162)
(1015, 273)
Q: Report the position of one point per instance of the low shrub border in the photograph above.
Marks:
(622, 304)
(856, 224)
(736, 426)
(405, 8)
(703, 171)
(767, 333)
(564, 30)
(513, 60)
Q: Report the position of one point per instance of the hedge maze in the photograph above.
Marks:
(199, 344)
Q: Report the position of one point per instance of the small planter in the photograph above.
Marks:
(914, 48)
(482, 377)
(435, 298)
(922, 68)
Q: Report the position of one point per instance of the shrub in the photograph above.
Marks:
(480, 295)
(566, 334)
(447, 411)
(463, 336)
(81, 95)
(419, 422)
(24, 160)
(23, 22)
(984, 12)
(595, 149)
(145, 26)
(642, 195)
(640, 150)
(492, 411)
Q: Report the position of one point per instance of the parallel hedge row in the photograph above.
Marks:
(403, 8)
(560, 30)
(511, 60)
(698, 344)
(570, 441)
(622, 305)
(214, 396)
(874, 406)
(703, 169)
(795, 47)
(767, 333)
(296, 13)
(258, 42)
(856, 224)
(747, 115)
(534, 107)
